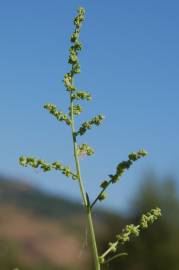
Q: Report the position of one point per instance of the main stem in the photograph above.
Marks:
(83, 194)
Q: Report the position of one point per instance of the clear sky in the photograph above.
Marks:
(130, 64)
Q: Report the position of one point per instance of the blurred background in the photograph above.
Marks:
(130, 65)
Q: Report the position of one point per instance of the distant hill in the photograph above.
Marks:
(41, 230)
(25, 196)
(38, 231)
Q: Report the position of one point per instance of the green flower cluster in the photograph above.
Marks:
(77, 109)
(125, 165)
(75, 69)
(122, 166)
(149, 218)
(102, 196)
(131, 230)
(81, 95)
(84, 149)
(68, 82)
(58, 115)
(80, 18)
(88, 124)
(113, 178)
(38, 163)
(127, 232)
(77, 46)
(105, 184)
(136, 155)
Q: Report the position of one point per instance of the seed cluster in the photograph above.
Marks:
(150, 217)
(122, 167)
(84, 149)
(38, 163)
(74, 49)
(132, 230)
(97, 120)
(60, 116)
(125, 165)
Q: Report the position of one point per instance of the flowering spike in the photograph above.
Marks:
(132, 230)
(97, 120)
(136, 155)
(77, 46)
(127, 232)
(125, 165)
(58, 114)
(35, 163)
(121, 168)
(149, 218)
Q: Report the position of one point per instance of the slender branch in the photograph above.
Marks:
(99, 195)
(115, 257)
(110, 249)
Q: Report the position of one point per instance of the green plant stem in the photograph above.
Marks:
(109, 250)
(83, 194)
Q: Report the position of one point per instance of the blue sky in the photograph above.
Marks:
(130, 64)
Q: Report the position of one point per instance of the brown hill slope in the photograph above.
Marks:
(38, 231)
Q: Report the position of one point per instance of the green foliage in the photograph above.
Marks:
(78, 150)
